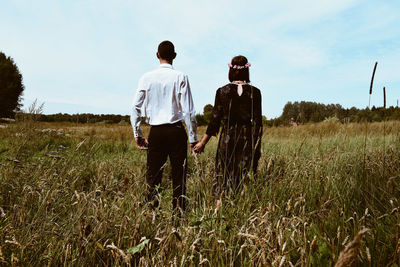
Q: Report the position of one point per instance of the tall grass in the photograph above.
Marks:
(73, 195)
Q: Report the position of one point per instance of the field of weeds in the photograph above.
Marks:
(325, 194)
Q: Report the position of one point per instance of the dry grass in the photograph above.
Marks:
(73, 195)
(348, 257)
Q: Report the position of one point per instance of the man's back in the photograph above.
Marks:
(163, 95)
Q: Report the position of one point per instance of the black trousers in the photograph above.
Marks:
(167, 140)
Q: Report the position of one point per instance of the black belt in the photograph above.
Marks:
(175, 124)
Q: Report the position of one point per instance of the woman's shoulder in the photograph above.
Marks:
(255, 88)
(228, 85)
(225, 88)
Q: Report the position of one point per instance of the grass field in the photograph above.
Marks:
(72, 195)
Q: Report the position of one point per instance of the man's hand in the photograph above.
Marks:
(142, 143)
(192, 145)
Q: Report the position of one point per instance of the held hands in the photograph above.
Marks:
(142, 143)
(192, 145)
(197, 148)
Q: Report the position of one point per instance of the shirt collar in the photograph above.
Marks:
(166, 65)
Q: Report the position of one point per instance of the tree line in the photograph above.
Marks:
(296, 112)
(84, 118)
(305, 112)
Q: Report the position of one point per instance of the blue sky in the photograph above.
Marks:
(87, 56)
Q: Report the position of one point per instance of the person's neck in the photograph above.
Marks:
(164, 61)
(239, 82)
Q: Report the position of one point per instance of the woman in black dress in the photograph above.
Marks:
(237, 109)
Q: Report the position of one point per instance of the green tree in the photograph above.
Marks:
(11, 86)
(207, 112)
(201, 121)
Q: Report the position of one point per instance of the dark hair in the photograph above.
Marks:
(239, 74)
(166, 50)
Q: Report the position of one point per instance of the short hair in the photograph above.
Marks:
(166, 50)
(239, 74)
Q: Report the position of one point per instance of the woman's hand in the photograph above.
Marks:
(199, 148)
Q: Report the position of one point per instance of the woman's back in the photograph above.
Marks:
(239, 108)
(232, 109)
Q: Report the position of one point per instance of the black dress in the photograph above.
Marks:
(239, 145)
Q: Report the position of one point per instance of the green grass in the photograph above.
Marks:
(75, 197)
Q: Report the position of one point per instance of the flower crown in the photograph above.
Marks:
(247, 65)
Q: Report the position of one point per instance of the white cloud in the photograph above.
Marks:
(308, 10)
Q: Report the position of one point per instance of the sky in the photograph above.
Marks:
(87, 56)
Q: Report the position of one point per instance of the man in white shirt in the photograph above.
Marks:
(164, 96)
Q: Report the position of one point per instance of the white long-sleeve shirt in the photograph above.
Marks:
(164, 96)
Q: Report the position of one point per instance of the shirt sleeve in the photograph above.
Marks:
(188, 110)
(215, 122)
(136, 109)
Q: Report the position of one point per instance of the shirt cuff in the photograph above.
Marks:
(192, 138)
(137, 132)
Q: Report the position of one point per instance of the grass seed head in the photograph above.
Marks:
(348, 256)
(372, 78)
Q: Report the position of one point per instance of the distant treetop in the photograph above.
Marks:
(11, 87)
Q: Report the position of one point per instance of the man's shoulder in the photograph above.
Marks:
(178, 73)
(154, 73)
(147, 75)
